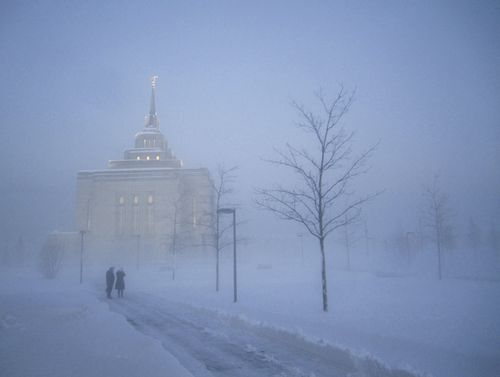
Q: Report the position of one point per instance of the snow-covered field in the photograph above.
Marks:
(59, 328)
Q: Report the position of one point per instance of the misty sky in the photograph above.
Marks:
(75, 89)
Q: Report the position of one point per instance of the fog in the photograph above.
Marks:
(75, 90)
(426, 77)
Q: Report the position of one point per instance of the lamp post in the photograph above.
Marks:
(229, 211)
(408, 247)
(138, 251)
(82, 234)
(217, 245)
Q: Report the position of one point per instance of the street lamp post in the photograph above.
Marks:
(231, 211)
(217, 245)
(82, 234)
(138, 251)
(408, 247)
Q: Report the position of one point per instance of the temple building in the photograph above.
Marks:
(146, 206)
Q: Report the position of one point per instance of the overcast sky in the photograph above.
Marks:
(75, 89)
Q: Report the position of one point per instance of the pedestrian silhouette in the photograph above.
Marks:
(110, 279)
(120, 281)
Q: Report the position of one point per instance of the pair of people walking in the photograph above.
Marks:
(110, 281)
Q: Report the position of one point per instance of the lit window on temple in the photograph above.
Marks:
(121, 200)
(157, 157)
(138, 157)
(150, 199)
(136, 199)
(147, 158)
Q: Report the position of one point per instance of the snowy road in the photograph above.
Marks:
(208, 343)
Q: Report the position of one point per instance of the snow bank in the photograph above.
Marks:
(53, 329)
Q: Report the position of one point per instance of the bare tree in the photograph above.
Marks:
(179, 231)
(404, 242)
(217, 238)
(175, 243)
(51, 256)
(473, 236)
(436, 216)
(222, 187)
(322, 200)
(493, 239)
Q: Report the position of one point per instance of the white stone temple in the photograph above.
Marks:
(146, 206)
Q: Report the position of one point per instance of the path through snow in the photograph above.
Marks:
(208, 343)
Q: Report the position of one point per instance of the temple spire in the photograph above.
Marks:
(152, 119)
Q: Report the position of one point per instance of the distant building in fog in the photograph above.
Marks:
(147, 203)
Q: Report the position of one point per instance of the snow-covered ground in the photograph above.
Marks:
(61, 329)
(449, 328)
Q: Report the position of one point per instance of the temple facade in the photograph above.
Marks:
(146, 206)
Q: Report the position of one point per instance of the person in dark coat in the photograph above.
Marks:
(120, 282)
(110, 280)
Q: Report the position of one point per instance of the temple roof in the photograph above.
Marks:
(150, 147)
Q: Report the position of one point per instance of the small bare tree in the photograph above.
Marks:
(348, 235)
(493, 240)
(174, 235)
(179, 234)
(474, 236)
(51, 256)
(222, 187)
(322, 200)
(436, 216)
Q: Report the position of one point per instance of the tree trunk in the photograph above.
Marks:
(217, 255)
(438, 241)
(439, 254)
(174, 243)
(323, 275)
